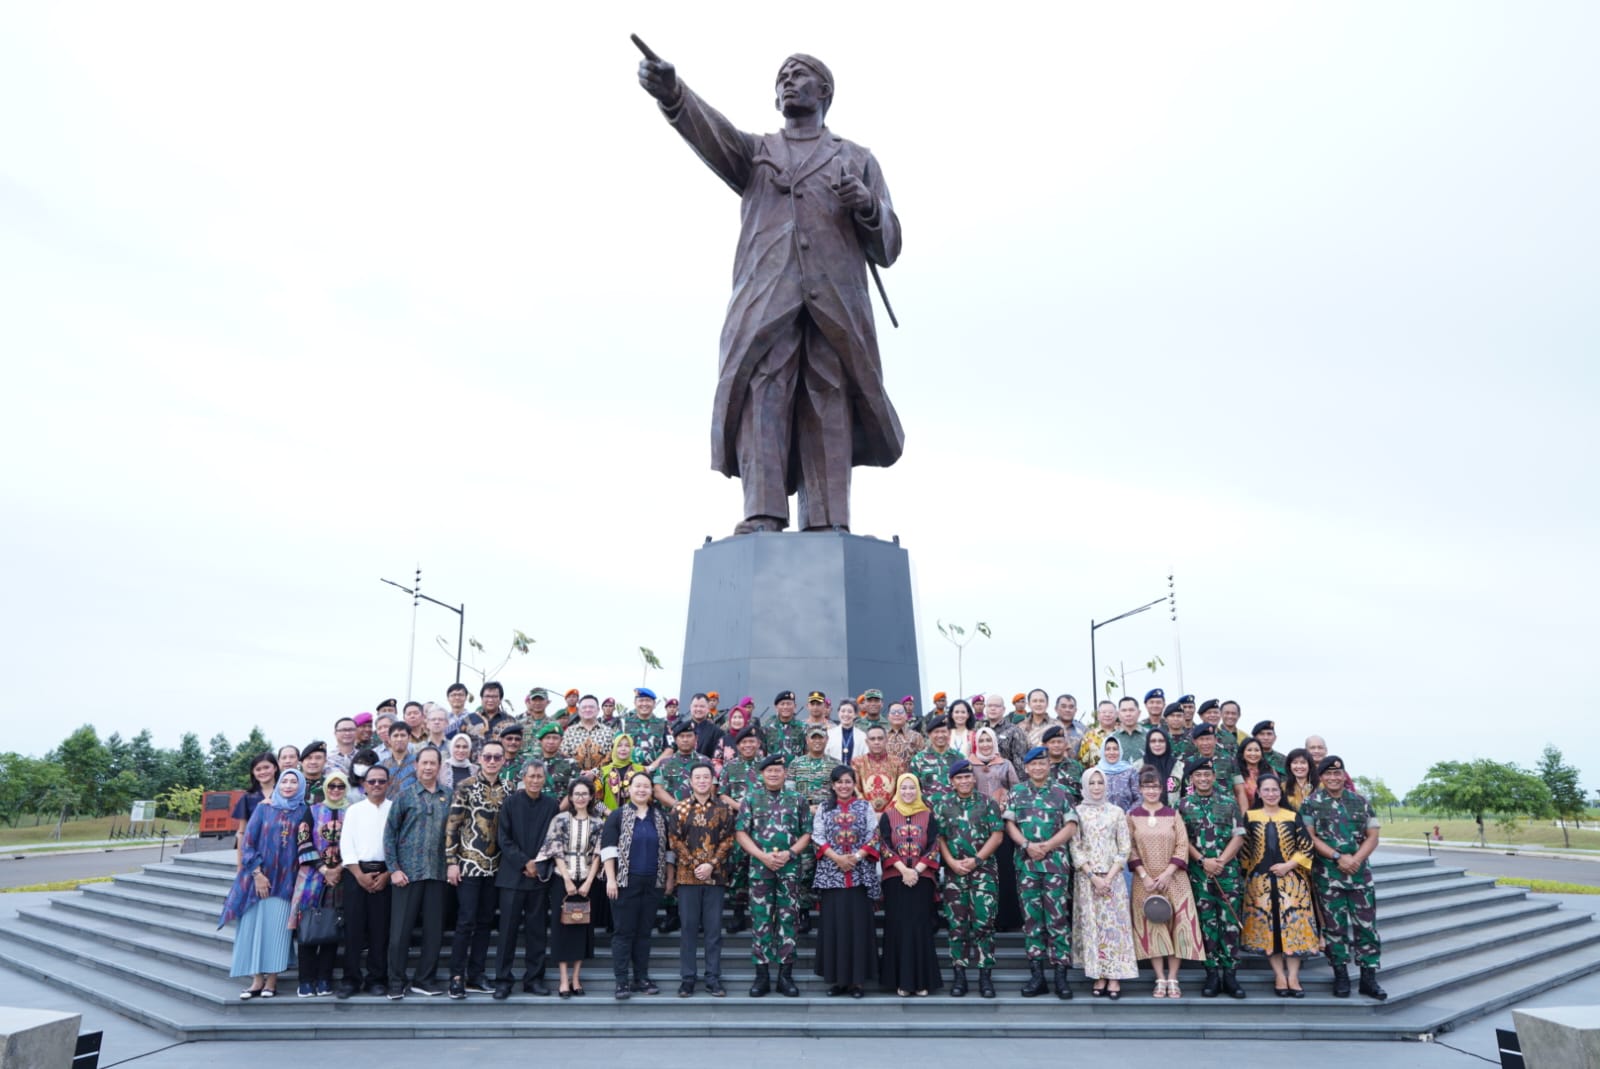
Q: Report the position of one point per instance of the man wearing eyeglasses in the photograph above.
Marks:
(472, 856)
(366, 903)
(413, 848)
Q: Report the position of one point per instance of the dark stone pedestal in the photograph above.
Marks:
(800, 611)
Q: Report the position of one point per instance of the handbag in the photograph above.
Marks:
(575, 910)
(323, 924)
(543, 870)
(1158, 909)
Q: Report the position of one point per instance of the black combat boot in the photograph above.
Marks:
(1063, 992)
(958, 985)
(762, 983)
(1341, 981)
(1213, 985)
(1036, 985)
(986, 983)
(1369, 984)
(1230, 984)
(786, 986)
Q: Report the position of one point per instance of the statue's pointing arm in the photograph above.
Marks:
(724, 148)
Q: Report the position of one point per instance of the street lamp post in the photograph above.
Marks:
(459, 610)
(1094, 664)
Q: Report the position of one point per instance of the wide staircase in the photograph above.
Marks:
(1454, 948)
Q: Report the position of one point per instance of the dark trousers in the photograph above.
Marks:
(419, 900)
(529, 912)
(633, 912)
(316, 963)
(700, 912)
(366, 929)
(475, 899)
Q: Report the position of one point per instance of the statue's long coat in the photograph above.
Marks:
(799, 248)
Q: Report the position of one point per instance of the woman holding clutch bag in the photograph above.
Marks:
(573, 843)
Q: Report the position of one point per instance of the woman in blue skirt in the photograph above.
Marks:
(259, 899)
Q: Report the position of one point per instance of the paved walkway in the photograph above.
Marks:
(1497, 863)
(127, 1043)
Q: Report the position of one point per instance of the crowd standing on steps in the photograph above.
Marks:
(1161, 837)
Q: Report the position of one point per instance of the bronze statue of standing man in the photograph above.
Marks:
(800, 397)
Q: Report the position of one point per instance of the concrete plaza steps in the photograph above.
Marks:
(1455, 947)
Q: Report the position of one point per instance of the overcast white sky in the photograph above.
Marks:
(1297, 300)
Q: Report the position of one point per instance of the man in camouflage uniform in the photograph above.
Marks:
(559, 770)
(1179, 721)
(1344, 833)
(648, 731)
(970, 831)
(1216, 834)
(1224, 760)
(784, 736)
(1065, 771)
(1041, 821)
(932, 765)
(808, 776)
(773, 829)
(511, 737)
(1266, 733)
(740, 776)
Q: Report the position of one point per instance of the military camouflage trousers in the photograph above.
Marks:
(1218, 912)
(739, 880)
(774, 905)
(808, 872)
(1350, 919)
(1046, 901)
(970, 906)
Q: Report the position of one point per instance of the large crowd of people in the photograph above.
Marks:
(1160, 834)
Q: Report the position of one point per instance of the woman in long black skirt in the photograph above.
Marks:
(908, 835)
(573, 844)
(843, 834)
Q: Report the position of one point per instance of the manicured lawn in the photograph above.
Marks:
(74, 831)
(1410, 825)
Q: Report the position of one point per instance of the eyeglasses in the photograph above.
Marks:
(334, 787)
(376, 782)
(493, 757)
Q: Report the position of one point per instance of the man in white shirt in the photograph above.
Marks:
(366, 901)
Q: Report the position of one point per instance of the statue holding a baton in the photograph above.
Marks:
(800, 397)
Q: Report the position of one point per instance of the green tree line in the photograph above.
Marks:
(87, 776)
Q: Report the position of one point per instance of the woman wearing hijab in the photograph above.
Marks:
(996, 776)
(961, 730)
(908, 837)
(259, 898)
(1279, 917)
(1102, 931)
(317, 841)
(726, 749)
(843, 833)
(1251, 766)
(459, 768)
(1159, 858)
(1122, 779)
(611, 778)
(1158, 754)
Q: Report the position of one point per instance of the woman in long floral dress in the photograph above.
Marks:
(1102, 931)
(1160, 861)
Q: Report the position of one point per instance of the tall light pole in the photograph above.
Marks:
(1094, 664)
(461, 621)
